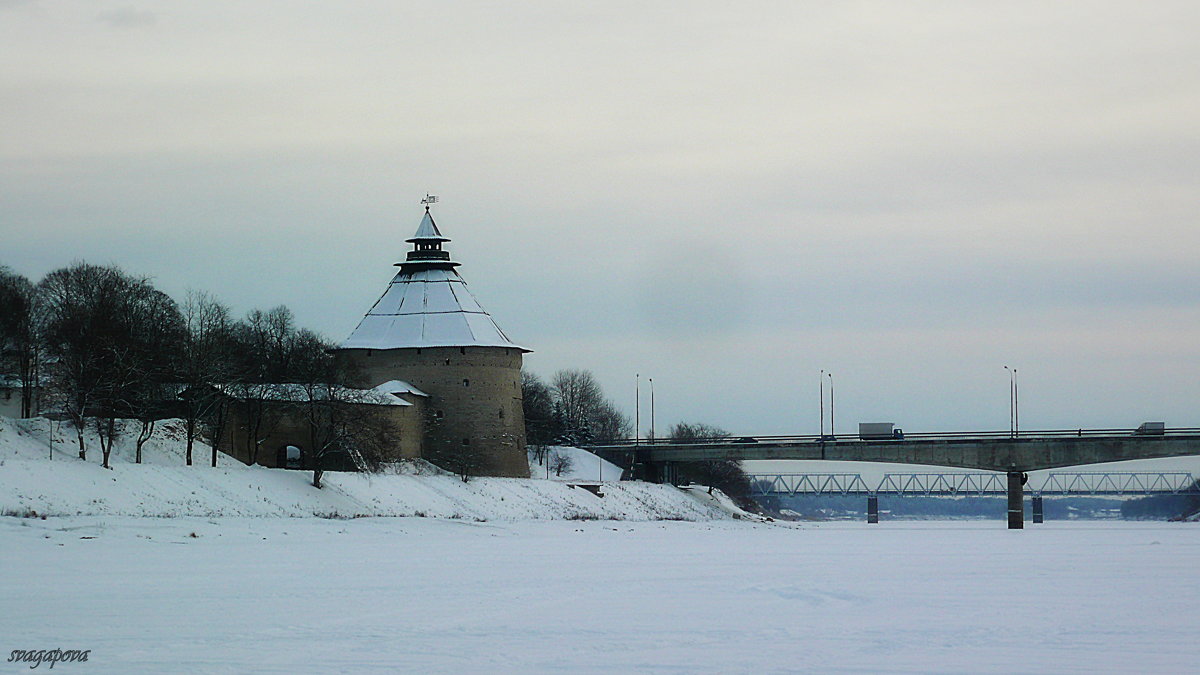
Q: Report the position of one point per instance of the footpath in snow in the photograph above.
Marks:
(33, 478)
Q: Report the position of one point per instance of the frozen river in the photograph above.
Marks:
(420, 595)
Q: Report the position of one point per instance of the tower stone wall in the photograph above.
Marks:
(474, 405)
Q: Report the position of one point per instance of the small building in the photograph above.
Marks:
(10, 396)
(291, 415)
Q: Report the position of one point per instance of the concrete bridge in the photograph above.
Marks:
(1013, 453)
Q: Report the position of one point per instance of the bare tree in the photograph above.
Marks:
(609, 424)
(266, 348)
(356, 422)
(560, 462)
(577, 395)
(111, 337)
(724, 474)
(696, 432)
(158, 330)
(537, 402)
(582, 412)
(206, 359)
(18, 343)
(72, 302)
(341, 420)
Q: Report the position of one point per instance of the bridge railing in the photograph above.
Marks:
(907, 436)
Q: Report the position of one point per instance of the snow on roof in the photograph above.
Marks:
(300, 393)
(396, 387)
(427, 304)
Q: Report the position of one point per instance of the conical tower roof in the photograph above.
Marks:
(427, 230)
(427, 304)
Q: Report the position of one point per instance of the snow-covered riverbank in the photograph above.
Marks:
(33, 482)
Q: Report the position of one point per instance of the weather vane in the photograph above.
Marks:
(429, 199)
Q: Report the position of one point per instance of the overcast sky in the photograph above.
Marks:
(726, 197)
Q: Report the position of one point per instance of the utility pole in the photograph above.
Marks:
(637, 409)
(1012, 401)
(651, 410)
(832, 433)
(821, 433)
(1016, 406)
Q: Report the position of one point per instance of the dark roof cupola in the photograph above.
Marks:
(427, 250)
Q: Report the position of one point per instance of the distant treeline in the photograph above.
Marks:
(1055, 508)
(92, 343)
(1160, 507)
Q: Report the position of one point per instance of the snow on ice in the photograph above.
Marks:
(225, 585)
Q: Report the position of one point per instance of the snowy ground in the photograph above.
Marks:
(164, 568)
(312, 595)
(32, 481)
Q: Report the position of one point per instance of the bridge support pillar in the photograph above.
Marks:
(1016, 499)
(873, 509)
(1038, 513)
(670, 473)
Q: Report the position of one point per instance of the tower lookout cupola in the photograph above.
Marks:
(428, 329)
(427, 247)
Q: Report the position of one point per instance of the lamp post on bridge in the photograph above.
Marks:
(651, 410)
(637, 409)
(832, 433)
(1014, 423)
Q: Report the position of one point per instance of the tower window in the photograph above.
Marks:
(439, 414)
(447, 361)
(466, 441)
(418, 350)
(502, 413)
(466, 383)
(462, 350)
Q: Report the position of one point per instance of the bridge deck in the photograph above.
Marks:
(989, 451)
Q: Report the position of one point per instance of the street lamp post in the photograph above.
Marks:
(1014, 425)
(832, 433)
(1016, 405)
(821, 433)
(651, 410)
(637, 409)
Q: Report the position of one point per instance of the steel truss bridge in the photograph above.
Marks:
(1012, 484)
(1088, 483)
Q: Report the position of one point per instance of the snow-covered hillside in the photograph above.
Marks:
(580, 466)
(34, 479)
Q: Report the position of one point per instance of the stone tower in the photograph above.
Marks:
(428, 330)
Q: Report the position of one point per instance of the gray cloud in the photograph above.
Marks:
(909, 198)
(127, 17)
